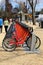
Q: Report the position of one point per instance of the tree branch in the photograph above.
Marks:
(35, 3)
(30, 3)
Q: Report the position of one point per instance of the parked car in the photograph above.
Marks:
(40, 18)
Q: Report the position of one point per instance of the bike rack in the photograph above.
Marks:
(33, 50)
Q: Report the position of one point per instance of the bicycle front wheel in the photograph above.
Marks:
(37, 42)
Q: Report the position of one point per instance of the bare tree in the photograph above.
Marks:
(21, 5)
(33, 5)
(8, 9)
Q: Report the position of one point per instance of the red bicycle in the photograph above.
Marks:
(18, 34)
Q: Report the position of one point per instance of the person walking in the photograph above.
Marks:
(1, 24)
(6, 23)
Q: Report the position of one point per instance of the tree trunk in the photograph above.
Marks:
(33, 15)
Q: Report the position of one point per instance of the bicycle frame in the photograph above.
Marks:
(20, 34)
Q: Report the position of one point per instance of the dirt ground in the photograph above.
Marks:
(19, 56)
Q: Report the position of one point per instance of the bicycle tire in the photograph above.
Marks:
(37, 38)
(30, 40)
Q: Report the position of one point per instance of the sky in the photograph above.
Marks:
(39, 6)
